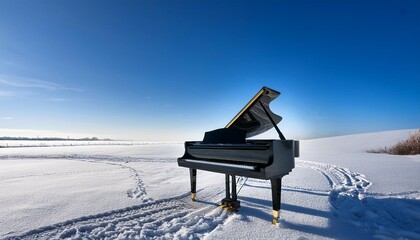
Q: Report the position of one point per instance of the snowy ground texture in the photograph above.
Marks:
(137, 191)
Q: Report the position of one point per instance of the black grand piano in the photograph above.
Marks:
(227, 151)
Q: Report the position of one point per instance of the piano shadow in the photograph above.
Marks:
(285, 188)
(206, 202)
(336, 228)
(262, 203)
(390, 217)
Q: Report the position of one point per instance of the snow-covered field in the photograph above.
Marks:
(337, 190)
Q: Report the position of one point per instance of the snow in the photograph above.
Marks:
(133, 190)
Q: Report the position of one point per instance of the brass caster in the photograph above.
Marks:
(193, 197)
(275, 217)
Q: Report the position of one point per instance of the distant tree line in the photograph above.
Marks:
(55, 139)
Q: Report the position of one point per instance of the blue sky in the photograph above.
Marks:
(171, 70)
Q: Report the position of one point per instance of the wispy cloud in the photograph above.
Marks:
(19, 87)
(6, 118)
(59, 99)
(7, 62)
(19, 82)
(8, 94)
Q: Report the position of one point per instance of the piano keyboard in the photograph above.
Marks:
(238, 166)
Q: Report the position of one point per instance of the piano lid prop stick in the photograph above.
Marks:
(272, 121)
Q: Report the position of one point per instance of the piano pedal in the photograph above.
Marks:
(230, 205)
(275, 217)
(227, 208)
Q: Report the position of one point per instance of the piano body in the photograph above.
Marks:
(228, 151)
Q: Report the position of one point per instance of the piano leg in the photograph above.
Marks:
(227, 186)
(234, 197)
(193, 180)
(276, 192)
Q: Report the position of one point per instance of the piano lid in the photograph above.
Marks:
(253, 118)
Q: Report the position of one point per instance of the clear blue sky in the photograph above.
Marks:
(171, 70)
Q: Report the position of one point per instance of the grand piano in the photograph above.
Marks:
(228, 151)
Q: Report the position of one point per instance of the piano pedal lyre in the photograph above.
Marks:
(230, 202)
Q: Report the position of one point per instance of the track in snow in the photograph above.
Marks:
(159, 219)
(393, 216)
(172, 218)
(342, 181)
(388, 216)
(139, 191)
